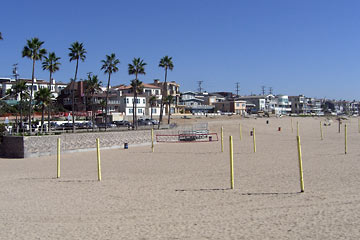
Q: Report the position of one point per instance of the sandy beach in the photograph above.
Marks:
(182, 190)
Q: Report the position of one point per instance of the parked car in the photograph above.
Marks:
(87, 125)
(108, 125)
(154, 122)
(122, 123)
(144, 122)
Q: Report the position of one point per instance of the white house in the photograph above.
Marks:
(56, 87)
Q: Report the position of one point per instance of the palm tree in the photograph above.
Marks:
(137, 67)
(169, 100)
(166, 63)
(152, 101)
(110, 66)
(19, 88)
(137, 87)
(43, 99)
(77, 51)
(51, 63)
(92, 86)
(33, 51)
(102, 105)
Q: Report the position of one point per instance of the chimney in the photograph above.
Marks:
(156, 81)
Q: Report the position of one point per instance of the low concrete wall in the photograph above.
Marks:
(24, 147)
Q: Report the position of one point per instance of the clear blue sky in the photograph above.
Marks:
(309, 47)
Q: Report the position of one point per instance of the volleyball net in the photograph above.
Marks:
(189, 133)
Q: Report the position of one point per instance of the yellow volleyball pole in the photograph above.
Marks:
(300, 164)
(98, 158)
(254, 140)
(240, 129)
(222, 139)
(297, 127)
(231, 163)
(152, 140)
(345, 139)
(292, 128)
(321, 131)
(58, 158)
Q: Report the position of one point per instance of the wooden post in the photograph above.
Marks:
(98, 158)
(321, 131)
(58, 158)
(345, 139)
(231, 163)
(300, 164)
(152, 140)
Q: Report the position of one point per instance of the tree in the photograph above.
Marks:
(169, 99)
(137, 67)
(51, 63)
(77, 52)
(91, 87)
(33, 51)
(152, 101)
(109, 66)
(1, 38)
(137, 88)
(43, 99)
(19, 89)
(166, 63)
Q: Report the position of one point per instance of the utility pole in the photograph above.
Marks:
(15, 72)
(199, 84)
(263, 90)
(237, 89)
(270, 90)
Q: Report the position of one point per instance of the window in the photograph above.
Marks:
(127, 100)
(157, 92)
(140, 110)
(130, 110)
(237, 104)
(124, 100)
(143, 101)
(137, 101)
(153, 110)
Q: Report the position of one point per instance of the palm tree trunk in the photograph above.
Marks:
(106, 101)
(169, 113)
(162, 99)
(42, 118)
(31, 93)
(151, 107)
(135, 100)
(49, 107)
(73, 96)
(21, 112)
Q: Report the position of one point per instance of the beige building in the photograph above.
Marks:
(173, 89)
(231, 106)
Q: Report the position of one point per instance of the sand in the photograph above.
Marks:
(181, 191)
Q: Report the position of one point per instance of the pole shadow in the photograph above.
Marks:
(243, 194)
